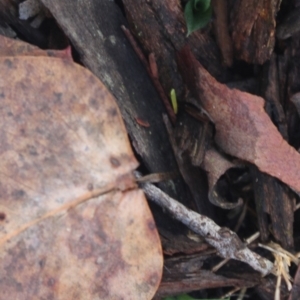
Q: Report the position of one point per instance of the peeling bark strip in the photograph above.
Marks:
(243, 129)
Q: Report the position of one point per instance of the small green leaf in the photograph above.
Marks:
(197, 14)
(174, 100)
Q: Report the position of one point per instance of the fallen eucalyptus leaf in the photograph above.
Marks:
(73, 223)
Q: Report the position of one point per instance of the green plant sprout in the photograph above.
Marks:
(197, 14)
(174, 100)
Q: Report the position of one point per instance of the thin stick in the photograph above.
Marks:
(230, 293)
(242, 294)
(136, 48)
(236, 228)
(224, 240)
(160, 89)
(241, 217)
(220, 265)
(224, 261)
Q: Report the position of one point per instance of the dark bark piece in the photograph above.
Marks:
(185, 274)
(296, 100)
(146, 20)
(290, 25)
(293, 72)
(273, 198)
(95, 30)
(295, 292)
(282, 67)
(288, 80)
(271, 195)
(294, 117)
(179, 244)
(260, 203)
(151, 67)
(185, 138)
(222, 31)
(271, 94)
(266, 289)
(160, 28)
(253, 29)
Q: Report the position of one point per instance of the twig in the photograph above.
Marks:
(151, 68)
(224, 240)
(220, 265)
(136, 48)
(226, 260)
(230, 293)
(252, 238)
(242, 294)
(157, 177)
(241, 218)
(159, 88)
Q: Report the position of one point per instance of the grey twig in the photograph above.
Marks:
(224, 240)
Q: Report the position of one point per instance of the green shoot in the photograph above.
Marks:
(197, 14)
(174, 100)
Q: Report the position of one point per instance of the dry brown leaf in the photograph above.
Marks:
(73, 224)
(11, 47)
(243, 129)
(216, 165)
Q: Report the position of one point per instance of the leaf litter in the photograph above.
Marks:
(243, 129)
(73, 223)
